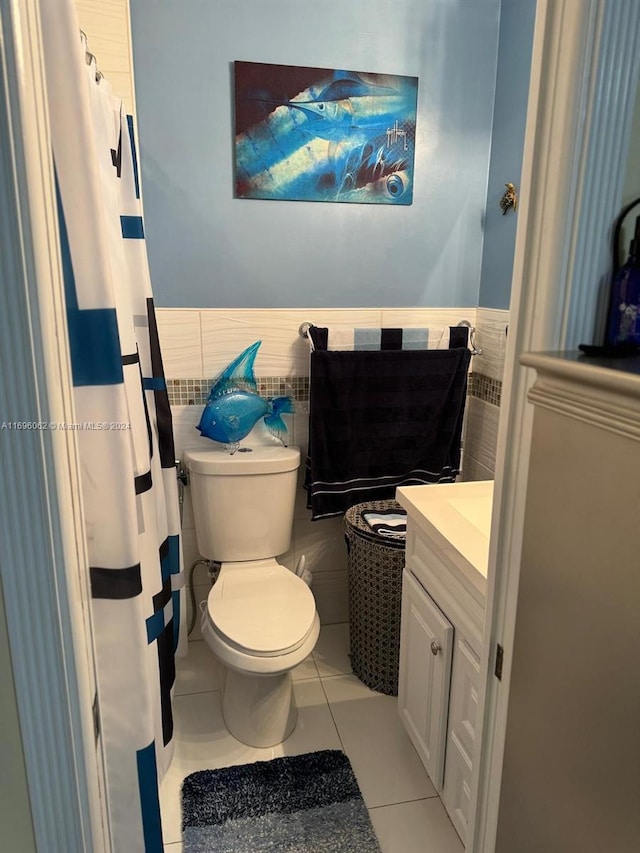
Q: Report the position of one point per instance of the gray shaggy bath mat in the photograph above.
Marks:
(299, 804)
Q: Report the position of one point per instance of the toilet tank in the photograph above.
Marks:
(243, 502)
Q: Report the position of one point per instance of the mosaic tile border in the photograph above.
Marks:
(485, 388)
(194, 392)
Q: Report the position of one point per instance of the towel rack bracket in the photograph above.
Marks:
(475, 349)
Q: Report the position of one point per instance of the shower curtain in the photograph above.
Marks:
(124, 431)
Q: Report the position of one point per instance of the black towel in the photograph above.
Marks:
(376, 339)
(382, 419)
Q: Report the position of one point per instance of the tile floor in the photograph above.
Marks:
(336, 711)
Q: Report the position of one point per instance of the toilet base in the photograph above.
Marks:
(258, 710)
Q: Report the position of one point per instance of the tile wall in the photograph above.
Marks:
(198, 344)
(106, 24)
(485, 390)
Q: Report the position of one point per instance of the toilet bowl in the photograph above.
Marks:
(260, 619)
(260, 622)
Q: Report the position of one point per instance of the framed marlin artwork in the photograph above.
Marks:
(316, 134)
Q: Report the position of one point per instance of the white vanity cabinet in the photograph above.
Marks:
(423, 689)
(443, 600)
(461, 734)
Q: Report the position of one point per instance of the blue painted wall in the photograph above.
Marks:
(517, 18)
(208, 249)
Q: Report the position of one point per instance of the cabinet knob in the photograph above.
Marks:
(435, 647)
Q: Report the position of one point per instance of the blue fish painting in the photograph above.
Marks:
(313, 134)
(234, 406)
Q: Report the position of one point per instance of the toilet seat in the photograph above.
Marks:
(261, 609)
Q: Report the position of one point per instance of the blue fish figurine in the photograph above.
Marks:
(234, 407)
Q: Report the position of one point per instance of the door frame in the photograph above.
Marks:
(585, 65)
(44, 575)
(579, 46)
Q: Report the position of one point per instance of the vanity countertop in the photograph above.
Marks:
(456, 517)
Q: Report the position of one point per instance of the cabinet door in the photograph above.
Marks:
(461, 744)
(426, 642)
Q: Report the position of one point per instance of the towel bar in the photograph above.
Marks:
(303, 331)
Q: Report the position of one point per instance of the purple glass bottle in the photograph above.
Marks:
(624, 312)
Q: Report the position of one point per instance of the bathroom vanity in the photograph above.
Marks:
(443, 606)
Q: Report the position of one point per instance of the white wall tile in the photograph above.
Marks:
(179, 333)
(330, 590)
(491, 337)
(185, 433)
(322, 543)
(301, 428)
(481, 433)
(300, 511)
(283, 352)
(106, 24)
(121, 81)
(190, 554)
(188, 521)
(288, 559)
(394, 318)
(201, 593)
(474, 470)
(225, 333)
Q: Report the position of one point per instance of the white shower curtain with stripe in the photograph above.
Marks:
(129, 486)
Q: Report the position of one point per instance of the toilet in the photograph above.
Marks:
(260, 619)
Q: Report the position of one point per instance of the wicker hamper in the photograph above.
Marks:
(375, 592)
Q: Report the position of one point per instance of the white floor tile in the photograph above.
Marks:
(198, 671)
(417, 827)
(202, 742)
(406, 813)
(170, 806)
(331, 653)
(315, 729)
(386, 765)
(307, 669)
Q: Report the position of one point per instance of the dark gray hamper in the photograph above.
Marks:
(375, 594)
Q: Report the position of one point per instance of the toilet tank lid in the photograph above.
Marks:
(267, 459)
